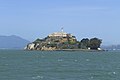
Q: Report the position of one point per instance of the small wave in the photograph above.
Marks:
(75, 60)
(112, 73)
(60, 60)
(4, 57)
(92, 77)
(6, 64)
(38, 77)
(87, 59)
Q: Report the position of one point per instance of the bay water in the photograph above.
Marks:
(59, 65)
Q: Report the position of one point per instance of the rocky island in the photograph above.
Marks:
(64, 41)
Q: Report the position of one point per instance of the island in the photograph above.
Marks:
(64, 41)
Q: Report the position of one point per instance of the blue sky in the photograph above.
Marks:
(33, 19)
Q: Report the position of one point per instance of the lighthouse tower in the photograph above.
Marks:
(62, 30)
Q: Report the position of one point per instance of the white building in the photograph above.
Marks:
(58, 34)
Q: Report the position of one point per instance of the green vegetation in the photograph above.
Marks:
(93, 43)
(84, 43)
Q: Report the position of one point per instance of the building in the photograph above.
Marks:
(58, 34)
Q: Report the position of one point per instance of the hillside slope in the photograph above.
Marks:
(12, 42)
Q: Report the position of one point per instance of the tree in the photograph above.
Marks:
(84, 43)
(95, 43)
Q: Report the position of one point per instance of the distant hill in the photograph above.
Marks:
(12, 42)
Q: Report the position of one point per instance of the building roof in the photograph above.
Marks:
(59, 34)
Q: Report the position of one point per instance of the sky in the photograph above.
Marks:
(32, 19)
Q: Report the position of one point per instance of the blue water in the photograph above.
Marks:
(59, 65)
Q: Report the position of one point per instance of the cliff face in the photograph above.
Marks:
(55, 41)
